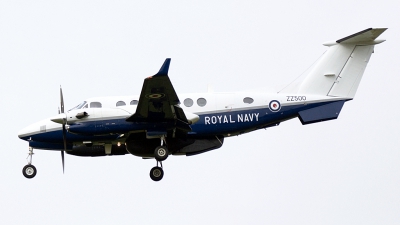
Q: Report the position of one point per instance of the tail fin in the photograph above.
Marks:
(339, 71)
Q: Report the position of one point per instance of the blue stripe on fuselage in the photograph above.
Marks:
(219, 123)
(241, 121)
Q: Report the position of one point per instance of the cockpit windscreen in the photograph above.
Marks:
(80, 106)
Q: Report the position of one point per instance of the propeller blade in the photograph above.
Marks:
(65, 145)
(62, 159)
(63, 128)
(62, 100)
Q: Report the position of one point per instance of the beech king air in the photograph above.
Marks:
(155, 124)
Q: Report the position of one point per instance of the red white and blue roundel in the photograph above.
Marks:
(155, 96)
(274, 105)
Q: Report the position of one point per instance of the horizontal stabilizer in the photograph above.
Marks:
(366, 36)
(322, 113)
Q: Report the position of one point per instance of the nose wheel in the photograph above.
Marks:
(29, 171)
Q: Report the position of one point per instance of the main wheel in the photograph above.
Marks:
(156, 173)
(161, 153)
(29, 171)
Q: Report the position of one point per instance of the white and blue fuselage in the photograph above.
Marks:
(225, 114)
(159, 122)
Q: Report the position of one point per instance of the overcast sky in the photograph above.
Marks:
(345, 171)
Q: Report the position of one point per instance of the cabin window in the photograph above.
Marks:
(248, 100)
(120, 103)
(201, 102)
(95, 105)
(85, 107)
(134, 102)
(188, 102)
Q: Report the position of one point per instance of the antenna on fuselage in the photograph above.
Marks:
(210, 88)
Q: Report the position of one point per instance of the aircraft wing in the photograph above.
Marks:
(159, 102)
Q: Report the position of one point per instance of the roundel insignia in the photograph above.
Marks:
(155, 96)
(274, 105)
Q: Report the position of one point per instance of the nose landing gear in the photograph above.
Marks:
(29, 171)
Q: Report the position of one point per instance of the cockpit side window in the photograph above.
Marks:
(95, 105)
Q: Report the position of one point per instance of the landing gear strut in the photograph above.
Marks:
(160, 154)
(29, 171)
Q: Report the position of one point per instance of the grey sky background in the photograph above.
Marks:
(344, 171)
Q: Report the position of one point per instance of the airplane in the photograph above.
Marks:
(156, 123)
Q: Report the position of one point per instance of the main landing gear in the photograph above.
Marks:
(157, 173)
(160, 154)
(29, 170)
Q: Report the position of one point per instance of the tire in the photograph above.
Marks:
(161, 153)
(156, 173)
(29, 171)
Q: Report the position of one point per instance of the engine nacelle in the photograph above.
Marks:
(137, 144)
(96, 150)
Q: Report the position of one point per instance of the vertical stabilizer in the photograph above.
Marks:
(347, 82)
(340, 69)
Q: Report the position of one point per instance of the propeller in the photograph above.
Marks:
(63, 128)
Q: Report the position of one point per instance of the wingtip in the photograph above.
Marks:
(164, 68)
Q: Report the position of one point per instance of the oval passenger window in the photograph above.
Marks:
(134, 102)
(188, 102)
(120, 103)
(248, 100)
(201, 102)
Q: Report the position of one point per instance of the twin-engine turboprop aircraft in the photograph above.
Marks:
(156, 124)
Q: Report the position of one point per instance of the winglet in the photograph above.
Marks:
(164, 68)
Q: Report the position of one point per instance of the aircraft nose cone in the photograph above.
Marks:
(24, 133)
(28, 131)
